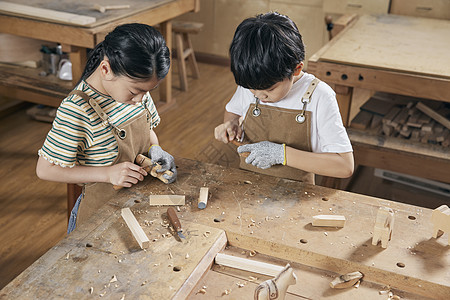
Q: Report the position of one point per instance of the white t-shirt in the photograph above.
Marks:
(328, 134)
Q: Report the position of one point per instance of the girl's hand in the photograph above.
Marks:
(126, 174)
(228, 131)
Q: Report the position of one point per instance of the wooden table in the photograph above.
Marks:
(75, 39)
(395, 54)
(247, 212)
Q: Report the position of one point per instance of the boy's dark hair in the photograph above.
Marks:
(265, 50)
(134, 50)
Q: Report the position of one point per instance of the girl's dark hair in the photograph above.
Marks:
(134, 50)
(265, 50)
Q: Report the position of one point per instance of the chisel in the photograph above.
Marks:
(175, 222)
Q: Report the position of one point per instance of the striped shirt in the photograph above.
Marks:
(78, 135)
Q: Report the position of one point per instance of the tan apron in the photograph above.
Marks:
(133, 138)
(280, 125)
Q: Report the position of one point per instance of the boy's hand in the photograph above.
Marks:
(228, 131)
(167, 162)
(264, 154)
(125, 174)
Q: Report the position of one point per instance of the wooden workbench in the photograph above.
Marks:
(25, 84)
(259, 213)
(394, 54)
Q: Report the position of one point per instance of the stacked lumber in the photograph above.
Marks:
(418, 120)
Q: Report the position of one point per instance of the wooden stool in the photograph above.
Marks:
(181, 31)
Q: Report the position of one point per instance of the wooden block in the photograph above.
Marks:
(387, 130)
(346, 280)
(362, 120)
(440, 217)
(391, 115)
(203, 197)
(384, 224)
(401, 118)
(376, 121)
(135, 228)
(433, 114)
(329, 220)
(248, 264)
(167, 200)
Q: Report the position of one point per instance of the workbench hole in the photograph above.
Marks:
(360, 77)
(344, 77)
(137, 201)
(325, 199)
(328, 73)
(411, 217)
(400, 265)
(217, 220)
(303, 241)
(88, 245)
(177, 269)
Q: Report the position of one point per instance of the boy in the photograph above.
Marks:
(291, 122)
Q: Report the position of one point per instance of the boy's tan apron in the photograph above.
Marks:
(135, 141)
(280, 125)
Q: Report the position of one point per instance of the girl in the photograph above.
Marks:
(108, 119)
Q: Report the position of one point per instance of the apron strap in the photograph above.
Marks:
(100, 112)
(306, 99)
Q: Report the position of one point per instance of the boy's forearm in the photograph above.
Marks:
(231, 117)
(338, 165)
(78, 174)
(153, 138)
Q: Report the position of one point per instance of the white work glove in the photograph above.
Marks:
(167, 162)
(264, 154)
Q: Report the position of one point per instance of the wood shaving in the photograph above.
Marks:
(91, 290)
(170, 255)
(144, 283)
(201, 291)
(226, 292)
(113, 279)
(187, 256)
(252, 253)
(251, 278)
(123, 297)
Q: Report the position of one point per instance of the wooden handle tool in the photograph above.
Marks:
(150, 167)
(175, 222)
(237, 143)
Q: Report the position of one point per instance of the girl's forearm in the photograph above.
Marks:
(78, 174)
(338, 165)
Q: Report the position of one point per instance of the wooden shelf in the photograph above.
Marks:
(26, 84)
(400, 155)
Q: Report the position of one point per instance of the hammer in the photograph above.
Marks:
(103, 9)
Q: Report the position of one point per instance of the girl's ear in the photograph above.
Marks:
(105, 70)
(298, 68)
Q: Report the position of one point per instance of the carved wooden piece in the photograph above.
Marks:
(152, 167)
(346, 280)
(384, 224)
(440, 217)
(276, 288)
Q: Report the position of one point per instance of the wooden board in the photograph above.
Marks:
(84, 8)
(265, 214)
(384, 42)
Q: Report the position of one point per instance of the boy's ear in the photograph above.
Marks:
(105, 69)
(298, 68)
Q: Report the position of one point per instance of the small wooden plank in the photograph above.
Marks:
(362, 120)
(248, 264)
(135, 228)
(329, 220)
(167, 200)
(390, 116)
(434, 115)
(44, 13)
(377, 106)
